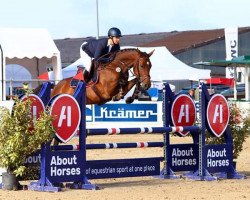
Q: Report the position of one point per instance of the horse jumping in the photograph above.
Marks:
(112, 79)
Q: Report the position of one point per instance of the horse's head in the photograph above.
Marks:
(142, 69)
(115, 74)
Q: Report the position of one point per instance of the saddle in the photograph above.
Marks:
(84, 75)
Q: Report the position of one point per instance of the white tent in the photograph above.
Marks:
(15, 76)
(167, 67)
(33, 49)
(70, 70)
(164, 66)
(67, 72)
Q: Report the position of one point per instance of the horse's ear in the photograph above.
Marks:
(150, 54)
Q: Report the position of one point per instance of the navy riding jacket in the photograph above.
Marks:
(97, 48)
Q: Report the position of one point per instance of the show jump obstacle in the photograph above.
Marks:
(197, 160)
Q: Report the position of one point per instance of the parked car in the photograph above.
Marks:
(219, 88)
(229, 93)
(183, 91)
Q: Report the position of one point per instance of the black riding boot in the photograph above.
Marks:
(86, 75)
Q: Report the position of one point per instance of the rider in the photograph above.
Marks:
(95, 49)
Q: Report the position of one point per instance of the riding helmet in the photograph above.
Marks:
(114, 32)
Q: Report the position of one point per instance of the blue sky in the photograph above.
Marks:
(77, 18)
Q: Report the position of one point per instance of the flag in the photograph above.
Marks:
(79, 75)
(231, 40)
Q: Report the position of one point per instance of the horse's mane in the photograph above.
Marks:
(129, 49)
(114, 54)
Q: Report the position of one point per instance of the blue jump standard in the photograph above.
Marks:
(197, 160)
(192, 159)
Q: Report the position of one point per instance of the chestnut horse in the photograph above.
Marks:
(112, 82)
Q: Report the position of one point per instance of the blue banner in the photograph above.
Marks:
(64, 167)
(218, 158)
(117, 168)
(183, 157)
(123, 113)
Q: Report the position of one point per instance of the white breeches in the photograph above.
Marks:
(86, 59)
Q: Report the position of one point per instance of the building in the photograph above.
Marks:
(188, 46)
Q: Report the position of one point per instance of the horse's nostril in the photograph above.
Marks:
(144, 86)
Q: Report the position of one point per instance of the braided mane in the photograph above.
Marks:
(144, 54)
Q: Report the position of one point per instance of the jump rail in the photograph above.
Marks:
(199, 161)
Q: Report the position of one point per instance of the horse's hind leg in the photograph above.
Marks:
(56, 141)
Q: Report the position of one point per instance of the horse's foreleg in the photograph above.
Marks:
(134, 95)
(119, 96)
(124, 90)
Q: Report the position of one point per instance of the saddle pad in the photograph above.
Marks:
(74, 82)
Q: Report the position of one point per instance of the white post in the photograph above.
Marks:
(57, 67)
(231, 42)
(235, 82)
(247, 85)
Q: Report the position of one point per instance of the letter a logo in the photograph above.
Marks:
(183, 112)
(67, 115)
(217, 114)
(37, 105)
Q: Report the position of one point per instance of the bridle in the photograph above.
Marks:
(128, 68)
(124, 69)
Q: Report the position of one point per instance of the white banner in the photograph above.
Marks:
(231, 39)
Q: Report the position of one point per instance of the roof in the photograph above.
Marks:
(27, 42)
(163, 66)
(241, 61)
(175, 41)
(70, 47)
(185, 40)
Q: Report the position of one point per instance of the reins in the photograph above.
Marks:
(124, 69)
(127, 69)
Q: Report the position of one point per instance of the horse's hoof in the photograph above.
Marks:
(129, 100)
(114, 98)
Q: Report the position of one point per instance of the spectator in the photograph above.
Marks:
(191, 93)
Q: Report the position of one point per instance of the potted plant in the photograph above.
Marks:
(19, 137)
(240, 128)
